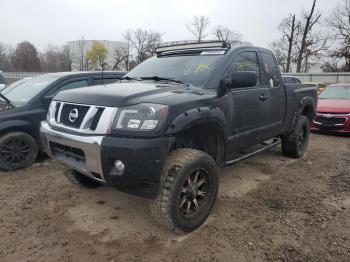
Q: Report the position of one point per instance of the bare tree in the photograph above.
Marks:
(25, 57)
(331, 62)
(143, 42)
(289, 28)
(316, 45)
(55, 59)
(120, 56)
(154, 39)
(65, 60)
(223, 33)
(127, 38)
(281, 50)
(309, 21)
(198, 27)
(3, 57)
(339, 22)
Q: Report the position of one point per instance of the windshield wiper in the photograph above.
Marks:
(158, 78)
(128, 78)
(7, 100)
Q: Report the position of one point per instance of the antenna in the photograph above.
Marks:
(102, 67)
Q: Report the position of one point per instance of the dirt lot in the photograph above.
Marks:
(270, 208)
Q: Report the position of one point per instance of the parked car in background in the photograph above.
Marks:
(18, 82)
(320, 86)
(333, 110)
(24, 105)
(291, 80)
(2, 81)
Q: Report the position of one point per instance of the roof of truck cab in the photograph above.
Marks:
(256, 48)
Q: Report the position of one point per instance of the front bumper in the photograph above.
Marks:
(94, 156)
(331, 123)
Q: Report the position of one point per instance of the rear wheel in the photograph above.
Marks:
(17, 150)
(188, 190)
(77, 178)
(295, 144)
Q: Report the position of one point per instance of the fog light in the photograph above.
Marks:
(119, 166)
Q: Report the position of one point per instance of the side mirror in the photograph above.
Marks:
(242, 79)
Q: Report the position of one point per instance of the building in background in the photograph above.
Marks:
(79, 48)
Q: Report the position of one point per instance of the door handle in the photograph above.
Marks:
(263, 97)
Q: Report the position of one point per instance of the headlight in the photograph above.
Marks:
(141, 117)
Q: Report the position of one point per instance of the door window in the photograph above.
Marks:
(271, 70)
(71, 85)
(243, 62)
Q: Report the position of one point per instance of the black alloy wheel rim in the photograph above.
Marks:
(15, 151)
(302, 138)
(194, 193)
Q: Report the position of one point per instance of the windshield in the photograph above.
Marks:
(190, 69)
(336, 92)
(20, 94)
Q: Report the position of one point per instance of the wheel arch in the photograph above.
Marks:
(202, 129)
(307, 107)
(19, 126)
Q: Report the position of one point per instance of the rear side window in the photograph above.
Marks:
(271, 70)
(297, 81)
(72, 85)
(243, 62)
(76, 84)
(288, 80)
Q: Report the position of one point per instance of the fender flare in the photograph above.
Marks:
(19, 125)
(306, 101)
(192, 117)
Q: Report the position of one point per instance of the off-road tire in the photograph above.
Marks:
(295, 143)
(18, 150)
(79, 179)
(180, 164)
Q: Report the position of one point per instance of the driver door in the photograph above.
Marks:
(250, 104)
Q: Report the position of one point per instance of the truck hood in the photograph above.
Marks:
(333, 105)
(123, 94)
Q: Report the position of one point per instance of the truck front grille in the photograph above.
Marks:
(81, 118)
(66, 114)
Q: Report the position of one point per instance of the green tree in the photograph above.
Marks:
(97, 55)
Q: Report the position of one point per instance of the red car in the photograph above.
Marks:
(333, 110)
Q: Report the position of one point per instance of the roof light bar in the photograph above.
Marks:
(184, 45)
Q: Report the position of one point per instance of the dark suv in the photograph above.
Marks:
(23, 106)
(165, 130)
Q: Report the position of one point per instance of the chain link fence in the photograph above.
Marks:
(19, 75)
(327, 78)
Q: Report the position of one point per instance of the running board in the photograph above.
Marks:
(275, 142)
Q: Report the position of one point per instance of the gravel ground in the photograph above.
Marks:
(270, 208)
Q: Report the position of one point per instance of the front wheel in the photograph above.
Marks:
(295, 144)
(188, 190)
(17, 150)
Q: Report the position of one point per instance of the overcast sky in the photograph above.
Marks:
(44, 22)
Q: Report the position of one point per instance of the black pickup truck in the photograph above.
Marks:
(167, 127)
(24, 104)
